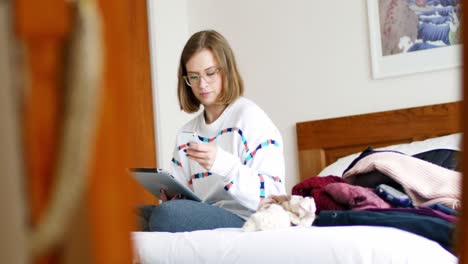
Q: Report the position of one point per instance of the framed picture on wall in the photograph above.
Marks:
(412, 36)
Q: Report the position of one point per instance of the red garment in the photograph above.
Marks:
(356, 197)
(314, 186)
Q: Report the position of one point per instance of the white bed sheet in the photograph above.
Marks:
(327, 245)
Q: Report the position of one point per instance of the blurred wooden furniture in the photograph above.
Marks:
(125, 133)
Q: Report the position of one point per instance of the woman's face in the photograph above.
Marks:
(206, 82)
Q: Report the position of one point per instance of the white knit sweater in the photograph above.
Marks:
(249, 164)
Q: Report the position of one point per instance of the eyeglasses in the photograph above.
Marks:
(210, 75)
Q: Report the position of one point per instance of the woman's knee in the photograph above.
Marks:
(169, 216)
(187, 215)
(174, 207)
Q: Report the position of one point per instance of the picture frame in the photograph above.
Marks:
(404, 62)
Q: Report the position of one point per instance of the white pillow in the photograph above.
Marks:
(452, 141)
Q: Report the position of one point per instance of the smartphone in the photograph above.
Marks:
(393, 196)
(189, 136)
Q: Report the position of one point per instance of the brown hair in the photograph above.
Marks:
(233, 86)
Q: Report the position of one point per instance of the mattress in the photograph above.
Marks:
(328, 245)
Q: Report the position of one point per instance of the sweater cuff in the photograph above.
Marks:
(224, 163)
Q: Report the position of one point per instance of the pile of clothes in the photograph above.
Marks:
(419, 194)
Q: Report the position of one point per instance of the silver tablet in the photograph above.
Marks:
(154, 179)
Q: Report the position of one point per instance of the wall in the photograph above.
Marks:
(168, 30)
(301, 60)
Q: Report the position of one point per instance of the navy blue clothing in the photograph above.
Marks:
(420, 211)
(443, 209)
(432, 228)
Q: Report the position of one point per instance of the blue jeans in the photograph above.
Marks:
(187, 215)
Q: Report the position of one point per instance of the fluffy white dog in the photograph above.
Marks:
(281, 211)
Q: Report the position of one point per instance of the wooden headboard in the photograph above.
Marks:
(322, 142)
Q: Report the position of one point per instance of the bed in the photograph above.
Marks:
(321, 144)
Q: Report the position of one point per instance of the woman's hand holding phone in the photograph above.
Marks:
(203, 153)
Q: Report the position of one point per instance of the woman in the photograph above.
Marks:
(238, 158)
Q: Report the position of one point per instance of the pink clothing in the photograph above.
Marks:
(356, 197)
(424, 182)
